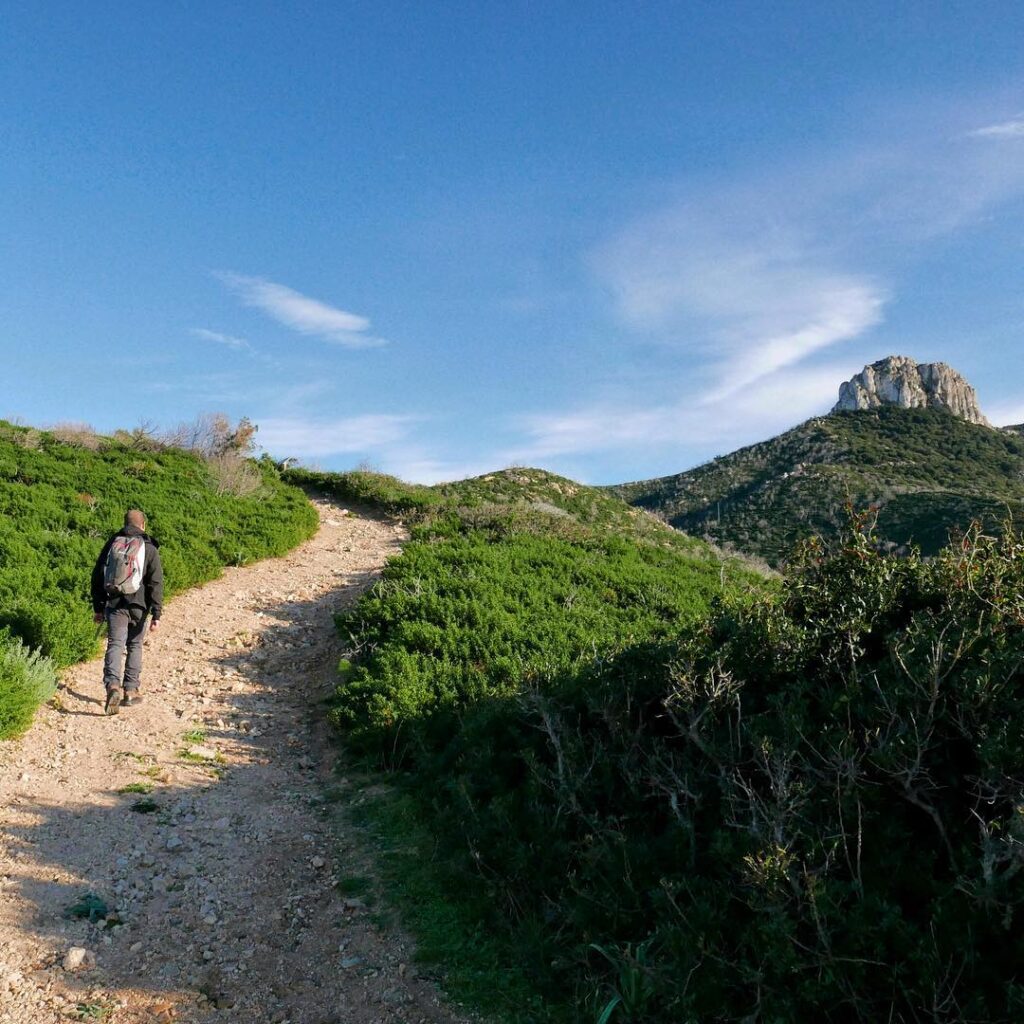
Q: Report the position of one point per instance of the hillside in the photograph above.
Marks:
(62, 494)
(631, 781)
(509, 582)
(927, 471)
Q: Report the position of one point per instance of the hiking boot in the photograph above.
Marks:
(113, 702)
(131, 698)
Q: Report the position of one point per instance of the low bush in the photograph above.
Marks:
(27, 678)
(235, 475)
(365, 487)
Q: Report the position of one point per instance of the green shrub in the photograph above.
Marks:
(510, 582)
(491, 594)
(365, 487)
(27, 678)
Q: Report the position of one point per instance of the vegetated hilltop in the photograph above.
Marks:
(62, 493)
(927, 471)
(507, 578)
(509, 581)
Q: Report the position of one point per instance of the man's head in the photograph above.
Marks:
(133, 517)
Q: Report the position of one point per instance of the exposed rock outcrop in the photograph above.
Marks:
(899, 380)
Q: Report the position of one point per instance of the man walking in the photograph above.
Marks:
(127, 584)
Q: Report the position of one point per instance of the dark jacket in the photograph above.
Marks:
(149, 597)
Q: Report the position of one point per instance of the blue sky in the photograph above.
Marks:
(610, 239)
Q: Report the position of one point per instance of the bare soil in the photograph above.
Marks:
(229, 885)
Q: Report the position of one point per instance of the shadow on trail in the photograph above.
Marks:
(216, 870)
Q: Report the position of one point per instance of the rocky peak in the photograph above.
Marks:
(899, 380)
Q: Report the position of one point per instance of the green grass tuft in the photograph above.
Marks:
(144, 788)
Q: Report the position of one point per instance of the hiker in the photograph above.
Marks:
(127, 585)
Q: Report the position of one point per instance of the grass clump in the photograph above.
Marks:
(89, 906)
(143, 788)
(27, 679)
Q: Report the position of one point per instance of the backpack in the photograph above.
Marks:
(126, 560)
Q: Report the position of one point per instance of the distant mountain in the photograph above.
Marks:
(921, 453)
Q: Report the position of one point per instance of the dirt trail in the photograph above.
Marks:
(224, 876)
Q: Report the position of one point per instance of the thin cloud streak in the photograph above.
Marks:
(750, 277)
(318, 438)
(1003, 130)
(221, 339)
(779, 402)
(301, 312)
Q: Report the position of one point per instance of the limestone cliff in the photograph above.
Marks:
(901, 381)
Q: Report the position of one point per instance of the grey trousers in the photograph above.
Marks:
(121, 633)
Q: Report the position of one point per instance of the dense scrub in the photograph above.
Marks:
(926, 470)
(61, 499)
(808, 809)
(806, 806)
(500, 586)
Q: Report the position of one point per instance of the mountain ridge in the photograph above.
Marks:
(923, 470)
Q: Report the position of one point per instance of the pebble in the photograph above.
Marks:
(318, 862)
(78, 958)
(174, 843)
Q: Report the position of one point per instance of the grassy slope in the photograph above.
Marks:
(510, 581)
(928, 471)
(59, 503)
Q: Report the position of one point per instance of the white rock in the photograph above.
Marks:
(902, 381)
(78, 958)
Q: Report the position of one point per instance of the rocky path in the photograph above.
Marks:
(201, 823)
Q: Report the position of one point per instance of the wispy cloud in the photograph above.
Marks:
(302, 313)
(750, 277)
(780, 401)
(221, 339)
(319, 438)
(1003, 130)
